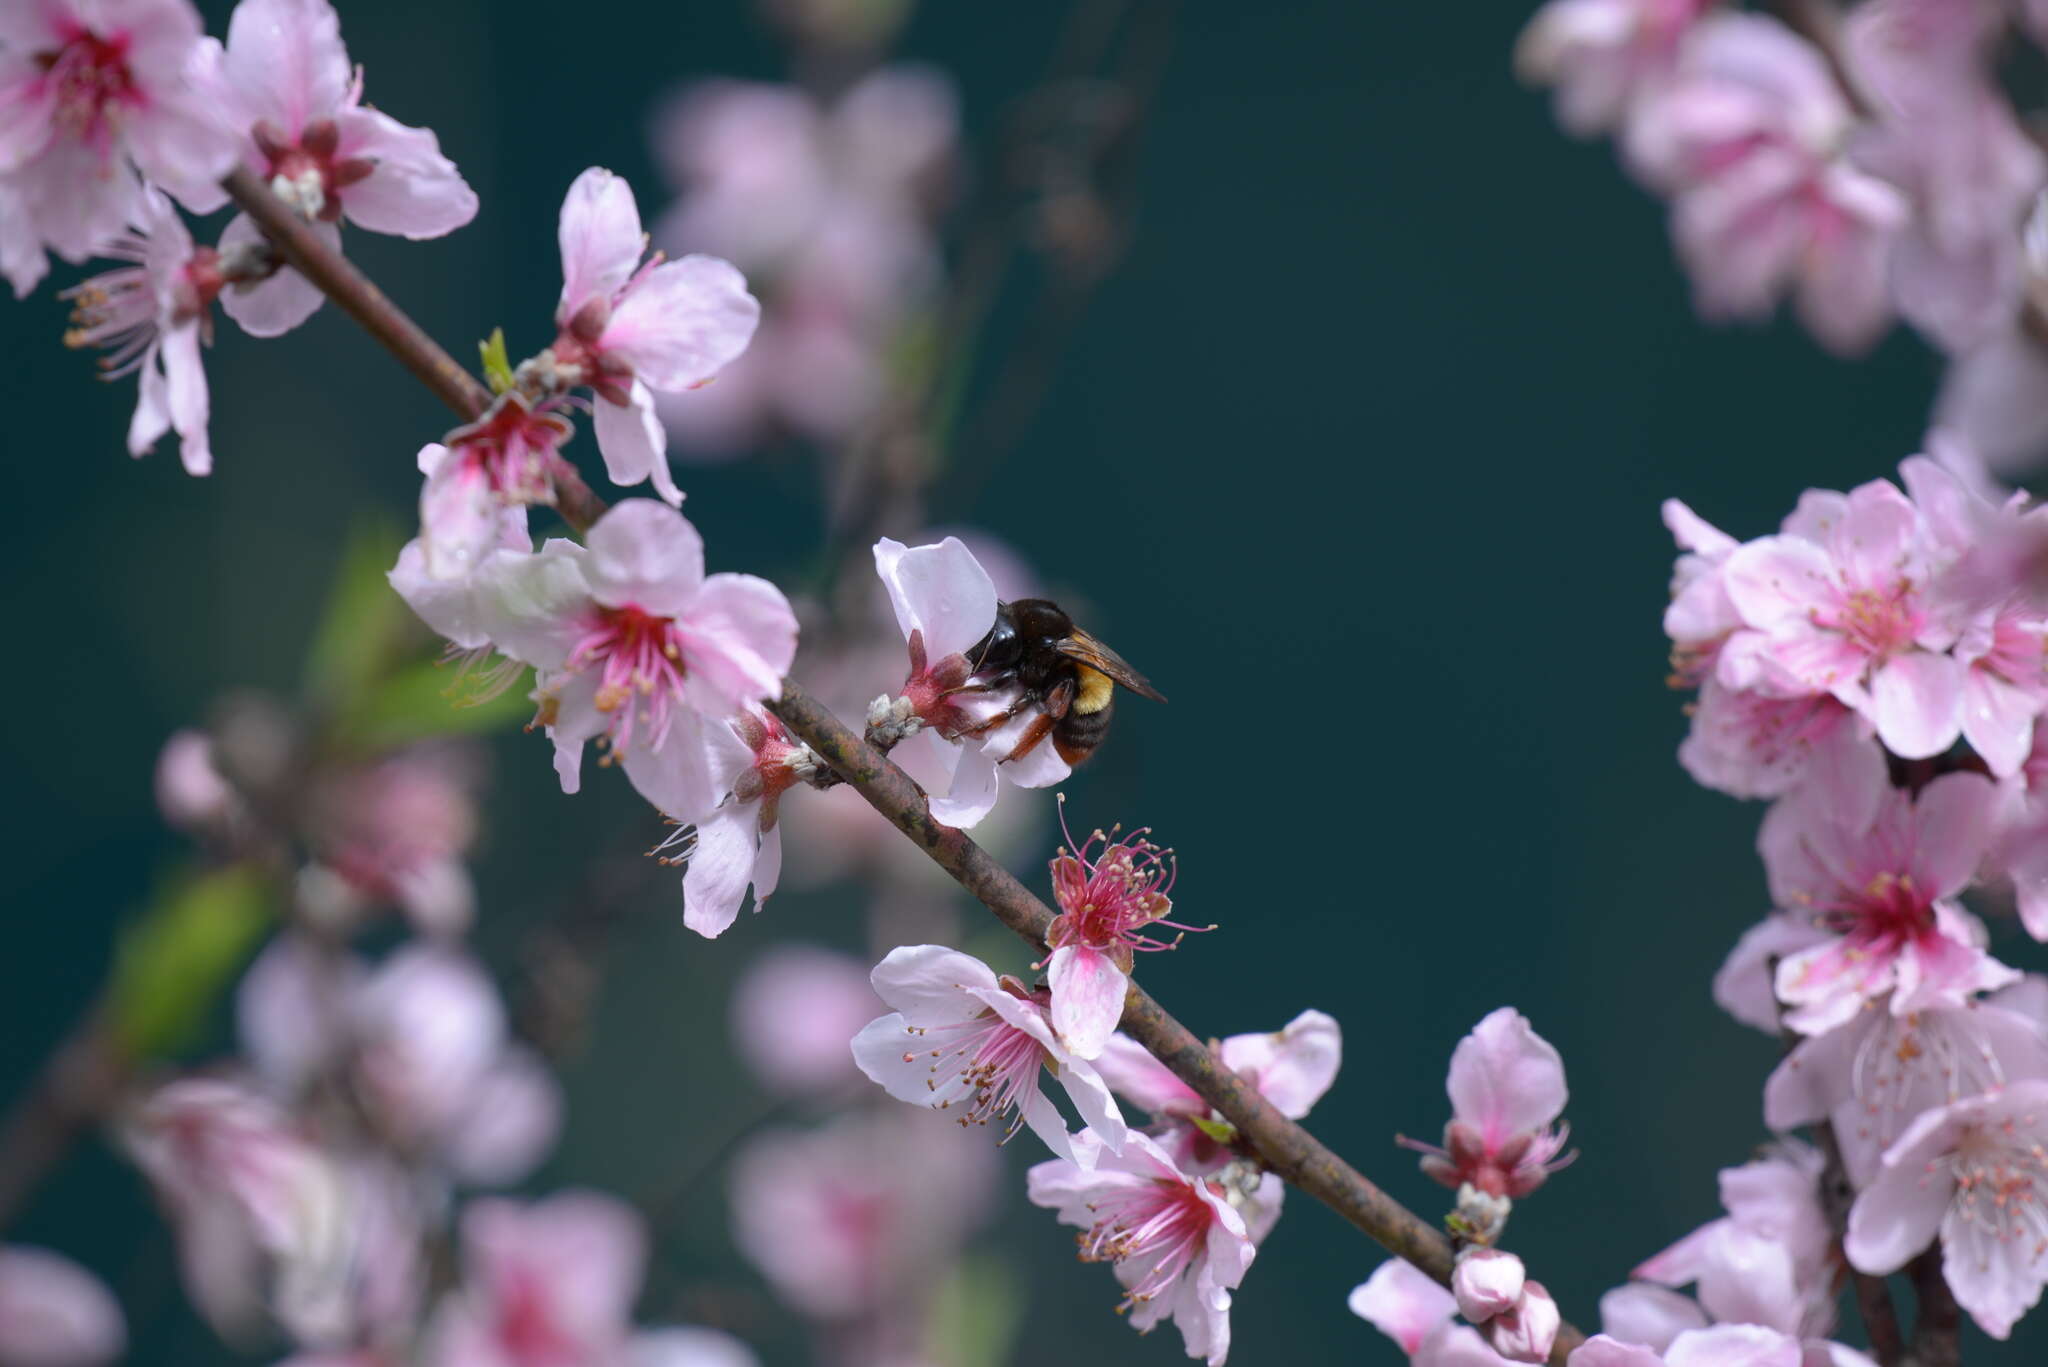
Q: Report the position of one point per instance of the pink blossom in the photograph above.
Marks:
(22, 259)
(1846, 606)
(1417, 1314)
(792, 1013)
(1603, 55)
(488, 469)
(945, 604)
(1723, 1345)
(1873, 1076)
(634, 645)
(2020, 853)
(963, 1040)
(1106, 903)
(1886, 895)
(1974, 1174)
(190, 791)
(95, 97)
(543, 1284)
(395, 833)
(1507, 1088)
(1178, 1245)
(1486, 1282)
(739, 844)
(152, 315)
(628, 330)
(1526, 1330)
(1746, 135)
(1744, 986)
(850, 1219)
(447, 602)
(1768, 1261)
(1945, 135)
(687, 1347)
(284, 82)
(1650, 1315)
(1291, 1067)
(54, 1313)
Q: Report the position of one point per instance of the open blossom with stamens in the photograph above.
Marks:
(1975, 1174)
(945, 604)
(964, 1041)
(1874, 1076)
(1507, 1089)
(152, 315)
(635, 646)
(1107, 902)
(1885, 896)
(283, 81)
(1291, 1067)
(739, 845)
(628, 329)
(91, 94)
(1179, 1246)
(505, 460)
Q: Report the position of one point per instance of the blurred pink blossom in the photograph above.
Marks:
(1886, 897)
(793, 1012)
(283, 82)
(1602, 56)
(190, 791)
(637, 648)
(543, 1285)
(396, 831)
(963, 1041)
(1746, 136)
(1179, 1247)
(1507, 1089)
(849, 1220)
(1973, 1174)
(54, 1313)
(93, 99)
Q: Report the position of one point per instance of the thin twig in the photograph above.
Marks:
(1938, 1327)
(73, 1090)
(1873, 1294)
(1283, 1146)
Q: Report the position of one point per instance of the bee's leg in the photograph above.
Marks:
(981, 728)
(1055, 707)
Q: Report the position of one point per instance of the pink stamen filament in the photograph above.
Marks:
(1166, 1220)
(998, 1064)
(639, 659)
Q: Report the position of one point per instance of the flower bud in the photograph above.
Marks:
(1526, 1332)
(1487, 1282)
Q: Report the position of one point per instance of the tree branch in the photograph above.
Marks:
(1282, 1145)
(1938, 1327)
(1873, 1295)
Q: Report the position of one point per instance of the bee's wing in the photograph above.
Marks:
(1093, 653)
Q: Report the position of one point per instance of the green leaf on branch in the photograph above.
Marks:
(976, 1314)
(1222, 1131)
(497, 364)
(362, 622)
(174, 963)
(427, 699)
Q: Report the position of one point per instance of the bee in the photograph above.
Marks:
(1070, 675)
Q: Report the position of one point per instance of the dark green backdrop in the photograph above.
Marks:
(1359, 456)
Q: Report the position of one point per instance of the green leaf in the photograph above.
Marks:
(976, 1314)
(428, 699)
(362, 620)
(497, 364)
(1222, 1131)
(176, 961)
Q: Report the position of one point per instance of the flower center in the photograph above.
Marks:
(92, 81)
(1999, 1172)
(527, 1327)
(1901, 1055)
(307, 173)
(639, 662)
(1106, 902)
(1164, 1222)
(513, 448)
(993, 1060)
(1884, 915)
(1881, 621)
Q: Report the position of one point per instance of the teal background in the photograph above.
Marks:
(1358, 456)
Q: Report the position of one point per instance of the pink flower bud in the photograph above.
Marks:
(1487, 1282)
(1525, 1333)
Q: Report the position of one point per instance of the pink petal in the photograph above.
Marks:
(941, 590)
(513, 1118)
(1602, 1351)
(1955, 820)
(681, 778)
(275, 306)
(54, 1313)
(683, 321)
(1994, 1277)
(1090, 1095)
(688, 1347)
(721, 866)
(1743, 985)
(1292, 1067)
(1505, 1079)
(647, 555)
(971, 795)
(185, 378)
(1402, 1303)
(1917, 702)
(1639, 1313)
(1087, 998)
(634, 443)
(739, 637)
(926, 982)
(1778, 580)
(1998, 720)
(1733, 1345)
(415, 192)
(285, 62)
(600, 239)
(1131, 1070)
(1898, 1214)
